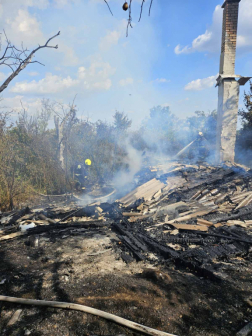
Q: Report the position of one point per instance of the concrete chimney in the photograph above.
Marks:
(228, 91)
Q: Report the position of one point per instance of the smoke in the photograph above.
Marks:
(124, 179)
(165, 135)
(84, 200)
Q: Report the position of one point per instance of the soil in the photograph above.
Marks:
(86, 268)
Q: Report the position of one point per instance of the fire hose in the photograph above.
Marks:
(89, 310)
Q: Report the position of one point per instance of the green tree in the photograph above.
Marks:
(202, 122)
(161, 130)
(121, 121)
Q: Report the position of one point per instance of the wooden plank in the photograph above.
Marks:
(201, 221)
(196, 195)
(12, 235)
(240, 196)
(190, 227)
(134, 219)
(132, 214)
(245, 202)
(193, 215)
(145, 191)
(150, 190)
(157, 194)
(15, 317)
(236, 222)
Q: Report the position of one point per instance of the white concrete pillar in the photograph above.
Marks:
(228, 99)
(228, 94)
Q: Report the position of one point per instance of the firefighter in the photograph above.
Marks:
(201, 147)
(81, 173)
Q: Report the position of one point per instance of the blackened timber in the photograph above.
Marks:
(132, 248)
(214, 252)
(198, 270)
(73, 225)
(238, 215)
(223, 237)
(126, 258)
(212, 181)
(135, 241)
(189, 241)
(159, 248)
(19, 214)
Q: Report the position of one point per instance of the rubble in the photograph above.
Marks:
(191, 218)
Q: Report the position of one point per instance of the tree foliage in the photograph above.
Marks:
(29, 148)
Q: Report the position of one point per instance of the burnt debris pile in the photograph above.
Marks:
(192, 216)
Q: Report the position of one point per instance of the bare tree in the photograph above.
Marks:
(64, 122)
(18, 59)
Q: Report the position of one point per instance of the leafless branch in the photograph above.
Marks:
(19, 58)
(141, 11)
(108, 7)
(130, 17)
(150, 7)
(129, 20)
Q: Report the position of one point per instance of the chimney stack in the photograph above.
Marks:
(228, 91)
(229, 37)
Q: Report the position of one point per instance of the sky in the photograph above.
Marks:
(170, 58)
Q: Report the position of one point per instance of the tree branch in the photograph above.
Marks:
(20, 63)
(129, 20)
(150, 7)
(141, 11)
(130, 17)
(108, 7)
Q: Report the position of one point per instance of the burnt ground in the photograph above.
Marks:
(86, 268)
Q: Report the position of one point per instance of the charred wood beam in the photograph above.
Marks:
(206, 254)
(46, 228)
(131, 247)
(135, 241)
(197, 270)
(165, 251)
(18, 215)
(70, 215)
(223, 237)
(212, 181)
(238, 215)
(188, 241)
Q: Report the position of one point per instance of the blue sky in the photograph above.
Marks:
(170, 58)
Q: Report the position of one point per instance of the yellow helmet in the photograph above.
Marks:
(88, 162)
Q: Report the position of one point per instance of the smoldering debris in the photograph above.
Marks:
(193, 219)
(208, 206)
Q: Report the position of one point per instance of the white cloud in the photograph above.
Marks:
(113, 36)
(161, 80)
(14, 104)
(2, 76)
(49, 84)
(23, 27)
(33, 73)
(126, 81)
(165, 105)
(201, 84)
(210, 41)
(70, 58)
(96, 77)
(109, 40)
